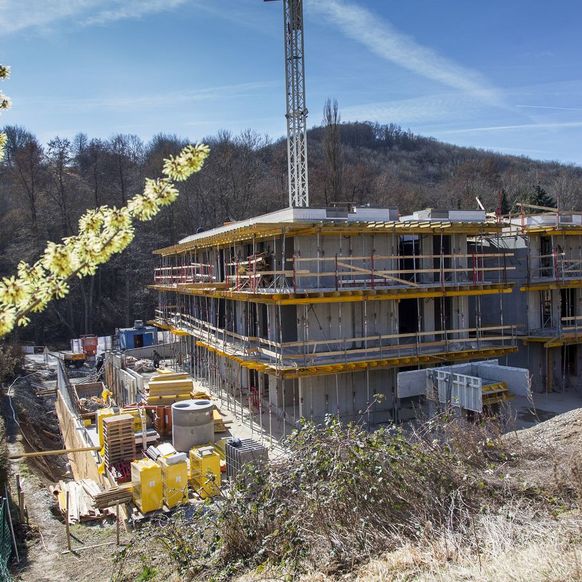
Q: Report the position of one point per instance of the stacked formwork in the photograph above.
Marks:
(308, 312)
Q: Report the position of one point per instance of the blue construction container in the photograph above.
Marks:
(138, 336)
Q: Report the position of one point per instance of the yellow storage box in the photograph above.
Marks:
(205, 471)
(146, 478)
(175, 482)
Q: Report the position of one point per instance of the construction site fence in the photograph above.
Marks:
(75, 435)
(558, 266)
(5, 541)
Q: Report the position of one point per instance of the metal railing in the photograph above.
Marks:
(346, 349)
(256, 273)
(557, 266)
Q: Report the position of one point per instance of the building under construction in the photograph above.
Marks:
(314, 311)
(545, 252)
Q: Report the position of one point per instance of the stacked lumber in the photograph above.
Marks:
(219, 425)
(199, 395)
(82, 505)
(119, 439)
(114, 496)
(165, 388)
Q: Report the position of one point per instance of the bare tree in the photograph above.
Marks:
(332, 145)
(24, 157)
(59, 159)
(127, 154)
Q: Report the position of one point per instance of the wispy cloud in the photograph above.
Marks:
(384, 40)
(156, 100)
(133, 9)
(551, 107)
(19, 15)
(428, 109)
(519, 127)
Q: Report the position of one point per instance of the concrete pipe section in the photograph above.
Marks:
(192, 424)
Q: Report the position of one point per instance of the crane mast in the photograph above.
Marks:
(296, 110)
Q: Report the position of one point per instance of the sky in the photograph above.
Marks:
(503, 75)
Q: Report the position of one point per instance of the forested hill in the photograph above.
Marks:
(45, 188)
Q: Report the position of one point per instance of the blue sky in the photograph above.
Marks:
(503, 75)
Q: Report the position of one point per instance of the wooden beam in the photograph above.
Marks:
(54, 452)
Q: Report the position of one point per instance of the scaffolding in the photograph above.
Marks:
(300, 318)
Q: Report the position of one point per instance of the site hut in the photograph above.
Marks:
(547, 303)
(313, 311)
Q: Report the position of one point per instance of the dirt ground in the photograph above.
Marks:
(43, 555)
(546, 451)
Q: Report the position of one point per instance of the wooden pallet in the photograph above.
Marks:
(119, 439)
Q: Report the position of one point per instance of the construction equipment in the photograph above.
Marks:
(240, 452)
(174, 480)
(74, 359)
(296, 112)
(119, 439)
(205, 471)
(165, 388)
(146, 478)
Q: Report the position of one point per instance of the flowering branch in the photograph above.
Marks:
(103, 232)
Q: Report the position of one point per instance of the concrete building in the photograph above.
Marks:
(546, 303)
(308, 312)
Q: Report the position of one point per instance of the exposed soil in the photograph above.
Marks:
(43, 543)
(549, 452)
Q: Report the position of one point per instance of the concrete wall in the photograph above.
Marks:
(348, 395)
(327, 247)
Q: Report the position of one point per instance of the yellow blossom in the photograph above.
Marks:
(115, 219)
(4, 72)
(91, 221)
(57, 287)
(23, 321)
(122, 239)
(143, 207)
(3, 140)
(5, 102)
(7, 319)
(188, 161)
(59, 259)
(102, 233)
(161, 190)
(14, 291)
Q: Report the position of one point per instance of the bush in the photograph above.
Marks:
(336, 497)
(343, 494)
(10, 362)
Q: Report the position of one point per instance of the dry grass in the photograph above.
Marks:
(516, 545)
(446, 502)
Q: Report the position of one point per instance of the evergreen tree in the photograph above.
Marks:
(504, 207)
(541, 198)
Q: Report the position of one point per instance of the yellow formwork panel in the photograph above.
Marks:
(146, 478)
(136, 417)
(342, 296)
(205, 471)
(102, 413)
(174, 482)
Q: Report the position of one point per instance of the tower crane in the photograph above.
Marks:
(296, 110)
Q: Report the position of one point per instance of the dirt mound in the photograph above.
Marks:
(38, 426)
(548, 452)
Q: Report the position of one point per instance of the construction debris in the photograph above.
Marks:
(114, 496)
(82, 505)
